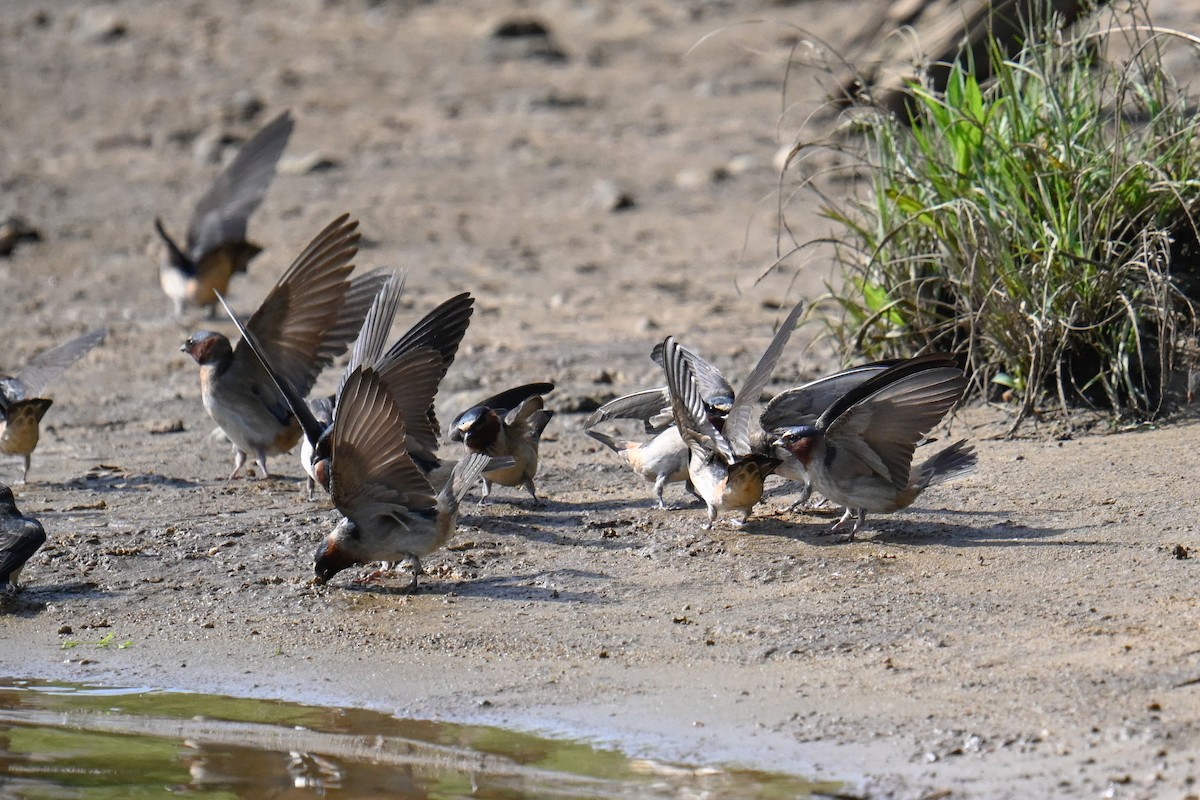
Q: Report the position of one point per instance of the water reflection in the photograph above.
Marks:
(93, 743)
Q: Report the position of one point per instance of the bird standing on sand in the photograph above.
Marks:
(20, 538)
(725, 467)
(391, 510)
(216, 247)
(859, 451)
(306, 321)
(413, 380)
(664, 458)
(21, 408)
(507, 424)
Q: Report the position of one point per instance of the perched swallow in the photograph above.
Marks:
(723, 464)
(441, 331)
(507, 424)
(859, 451)
(21, 409)
(20, 538)
(391, 510)
(803, 405)
(216, 247)
(306, 321)
(663, 459)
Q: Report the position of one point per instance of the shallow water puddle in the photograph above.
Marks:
(90, 742)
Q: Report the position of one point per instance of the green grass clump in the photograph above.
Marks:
(1040, 223)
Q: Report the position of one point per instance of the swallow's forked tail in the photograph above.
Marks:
(955, 461)
(464, 475)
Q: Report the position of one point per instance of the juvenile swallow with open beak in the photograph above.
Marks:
(508, 424)
(441, 331)
(20, 538)
(392, 512)
(306, 321)
(724, 465)
(216, 247)
(803, 405)
(859, 451)
(21, 407)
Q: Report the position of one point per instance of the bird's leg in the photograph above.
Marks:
(842, 522)
(859, 521)
(740, 522)
(487, 490)
(417, 569)
(712, 516)
(537, 501)
(660, 483)
(805, 495)
(25, 475)
(239, 460)
(311, 486)
(260, 458)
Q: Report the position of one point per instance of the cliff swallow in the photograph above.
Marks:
(723, 464)
(20, 538)
(803, 405)
(307, 320)
(663, 459)
(216, 247)
(390, 508)
(859, 451)
(21, 408)
(507, 424)
(439, 332)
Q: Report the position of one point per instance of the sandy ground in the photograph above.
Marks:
(1027, 632)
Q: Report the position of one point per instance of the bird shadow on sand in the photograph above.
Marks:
(910, 530)
(505, 587)
(538, 586)
(33, 600)
(123, 482)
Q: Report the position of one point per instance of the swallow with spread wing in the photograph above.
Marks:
(22, 407)
(306, 321)
(724, 464)
(391, 510)
(859, 451)
(216, 247)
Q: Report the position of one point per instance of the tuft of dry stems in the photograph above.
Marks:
(1040, 223)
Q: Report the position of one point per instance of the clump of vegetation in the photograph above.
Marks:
(1041, 223)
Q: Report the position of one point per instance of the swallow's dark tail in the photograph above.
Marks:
(604, 439)
(955, 461)
(178, 257)
(465, 474)
(538, 422)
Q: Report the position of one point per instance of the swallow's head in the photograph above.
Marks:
(207, 348)
(477, 428)
(799, 440)
(333, 557)
(719, 404)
